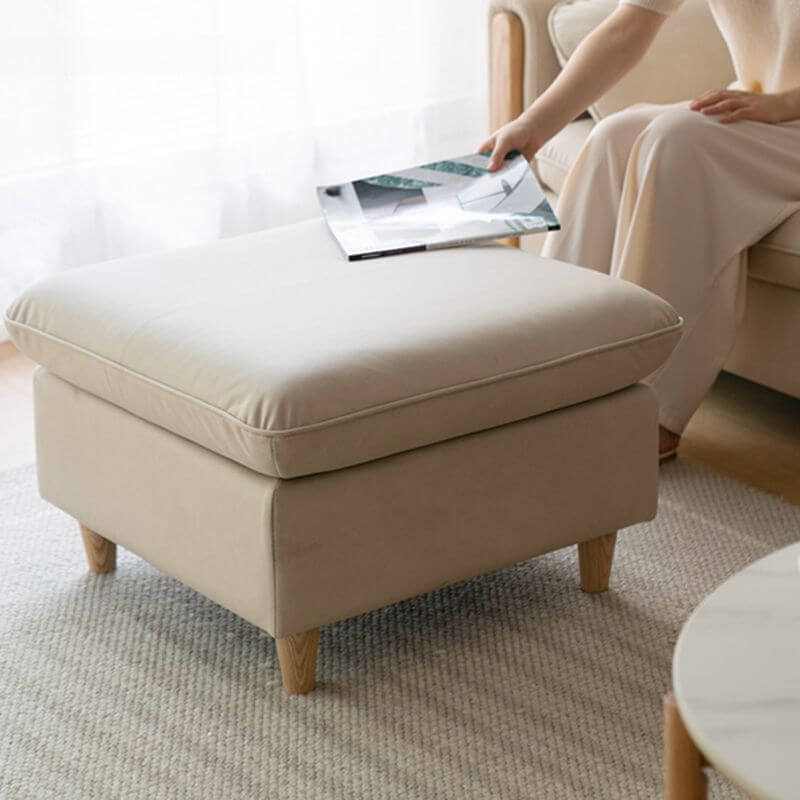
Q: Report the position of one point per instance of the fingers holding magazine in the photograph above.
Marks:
(515, 136)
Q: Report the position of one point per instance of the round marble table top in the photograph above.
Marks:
(736, 675)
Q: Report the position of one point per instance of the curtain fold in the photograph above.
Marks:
(139, 126)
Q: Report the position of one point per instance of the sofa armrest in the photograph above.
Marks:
(523, 61)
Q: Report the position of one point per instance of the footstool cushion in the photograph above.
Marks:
(273, 351)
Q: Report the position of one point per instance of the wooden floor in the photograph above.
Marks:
(748, 433)
(742, 430)
(16, 408)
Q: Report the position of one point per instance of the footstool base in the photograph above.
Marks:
(292, 555)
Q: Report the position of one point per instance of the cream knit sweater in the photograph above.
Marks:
(763, 37)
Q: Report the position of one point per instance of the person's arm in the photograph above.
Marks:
(602, 58)
(731, 106)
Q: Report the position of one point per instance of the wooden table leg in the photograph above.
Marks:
(683, 762)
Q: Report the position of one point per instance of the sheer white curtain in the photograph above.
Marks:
(136, 126)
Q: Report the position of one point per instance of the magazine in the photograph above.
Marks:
(442, 204)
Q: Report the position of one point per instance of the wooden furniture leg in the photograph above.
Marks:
(507, 52)
(297, 655)
(100, 552)
(683, 762)
(595, 558)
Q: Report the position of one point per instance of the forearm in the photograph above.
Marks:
(602, 58)
(791, 104)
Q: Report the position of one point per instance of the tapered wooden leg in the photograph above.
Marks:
(595, 558)
(297, 656)
(100, 552)
(683, 762)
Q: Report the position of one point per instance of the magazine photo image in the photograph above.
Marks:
(441, 204)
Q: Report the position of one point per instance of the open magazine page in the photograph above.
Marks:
(436, 205)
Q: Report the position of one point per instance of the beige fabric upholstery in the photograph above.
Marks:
(767, 348)
(776, 258)
(197, 516)
(289, 555)
(274, 351)
(555, 159)
(688, 57)
(562, 150)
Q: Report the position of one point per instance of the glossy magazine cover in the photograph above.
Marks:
(442, 204)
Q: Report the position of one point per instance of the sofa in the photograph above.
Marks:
(530, 40)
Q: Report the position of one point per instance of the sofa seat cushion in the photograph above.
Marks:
(555, 159)
(274, 351)
(776, 258)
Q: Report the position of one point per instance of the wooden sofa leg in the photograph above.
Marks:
(100, 552)
(595, 558)
(297, 655)
(684, 778)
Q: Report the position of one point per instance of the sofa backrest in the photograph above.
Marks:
(687, 58)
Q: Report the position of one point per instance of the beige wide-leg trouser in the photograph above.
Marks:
(670, 199)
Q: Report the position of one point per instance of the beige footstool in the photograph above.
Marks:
(302, 439)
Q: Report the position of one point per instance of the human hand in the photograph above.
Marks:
(731, 106)
(516, 135)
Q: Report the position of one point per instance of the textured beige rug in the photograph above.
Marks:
(512, 685)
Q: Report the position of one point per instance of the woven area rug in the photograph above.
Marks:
(511, 685)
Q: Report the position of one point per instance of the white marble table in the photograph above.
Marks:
(736, 678)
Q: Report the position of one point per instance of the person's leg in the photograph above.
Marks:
(696, 194)
(708, 336)
(589, 202)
